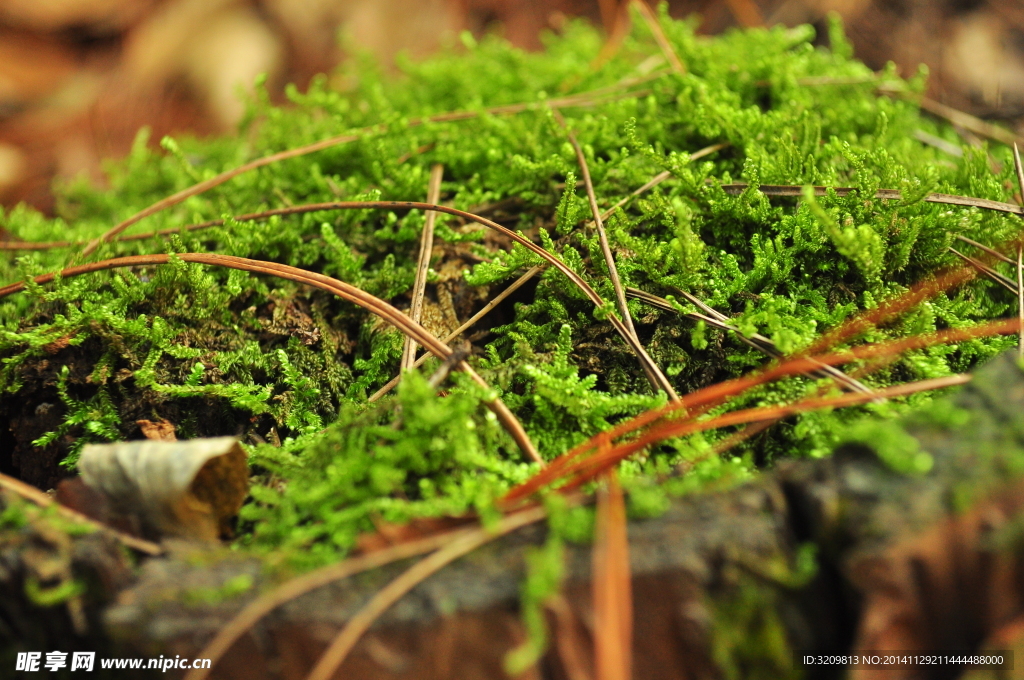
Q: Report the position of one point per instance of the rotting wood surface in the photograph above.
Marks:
(711, 577)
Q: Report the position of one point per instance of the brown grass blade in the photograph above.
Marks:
(659, 36)
(419, 287)
(612, 585)
(498, 299)
(340, 288)
(42, 499)
(654, 375)
(460, 546)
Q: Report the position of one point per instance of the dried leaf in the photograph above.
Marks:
(188, 489)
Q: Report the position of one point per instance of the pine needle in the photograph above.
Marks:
(717, 394)
(244, 620)
(654, 375)
(581, 99)
(612, 585)
(338, 650)
(419, 287)
(659, 36)
(40, 498)
(1020, 256)
(498, 299)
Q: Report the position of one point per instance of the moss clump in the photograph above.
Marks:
(225, 352)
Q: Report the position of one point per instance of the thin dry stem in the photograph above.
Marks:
(498, 299)
(342, 644)
(419, 287)
(659, 36)
(654, 375)
(31, 493)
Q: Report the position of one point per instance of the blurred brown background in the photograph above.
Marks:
(79, 77)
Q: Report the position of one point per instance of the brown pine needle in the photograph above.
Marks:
(604, 460)
(994, 253)
(296, 587)
(498, 299)
(654, 375)
(659, 36)
(757, 341)
(1020, 256)
(419, 287)
(1003, 281)
(963, 120)
(569, 639)
(611, 585)
(40, 498)
(581, 99)
(331, 660)
(1020, 300)
(719, 392)
(340, 288)
(732, 189)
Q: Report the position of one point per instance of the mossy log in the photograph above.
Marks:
(720, 580)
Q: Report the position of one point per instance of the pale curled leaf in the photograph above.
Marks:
(187, 489)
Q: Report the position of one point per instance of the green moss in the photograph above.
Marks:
(289, 369)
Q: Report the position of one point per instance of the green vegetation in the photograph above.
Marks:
(289, 369)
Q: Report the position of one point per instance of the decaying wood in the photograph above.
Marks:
(688, 566)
